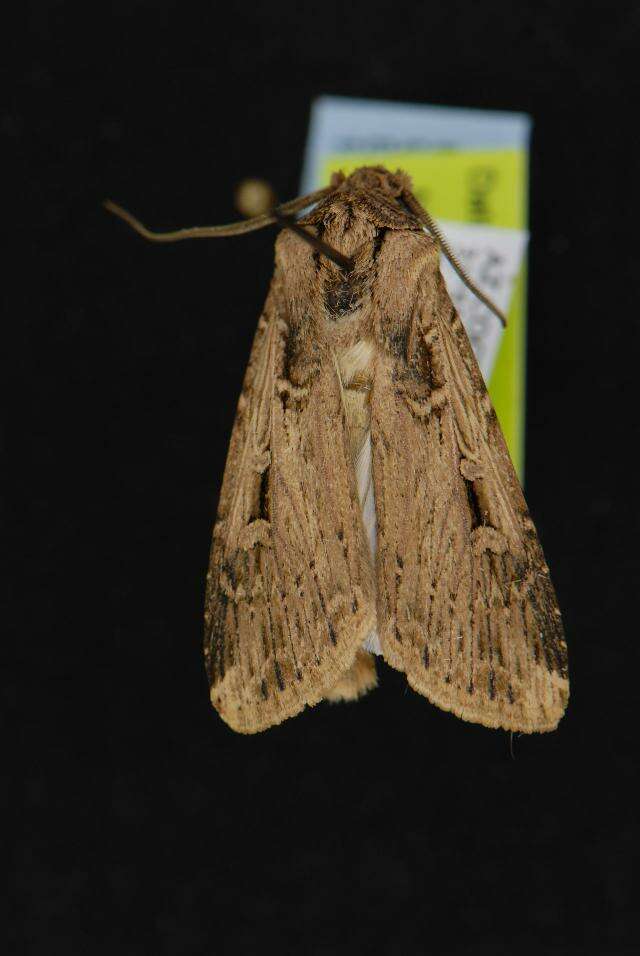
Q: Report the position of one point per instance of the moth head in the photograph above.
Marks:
(377, 179)
(370, 194)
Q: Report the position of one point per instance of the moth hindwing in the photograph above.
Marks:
(369, 501)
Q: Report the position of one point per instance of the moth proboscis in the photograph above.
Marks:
(369, 503)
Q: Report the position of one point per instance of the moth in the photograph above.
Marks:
(369, 504)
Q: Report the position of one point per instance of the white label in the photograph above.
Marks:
(492, 257)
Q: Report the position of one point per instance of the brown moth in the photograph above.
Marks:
(369, 503)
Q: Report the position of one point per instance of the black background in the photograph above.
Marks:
(143, 824)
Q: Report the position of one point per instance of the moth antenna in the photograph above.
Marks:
(427, 220)
(231, 229)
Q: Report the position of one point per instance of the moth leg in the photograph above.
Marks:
(357, 681)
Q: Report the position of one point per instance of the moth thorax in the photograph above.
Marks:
(351, 233)
(346, 227)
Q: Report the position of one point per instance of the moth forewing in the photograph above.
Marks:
(465, 605)
(291, 596)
